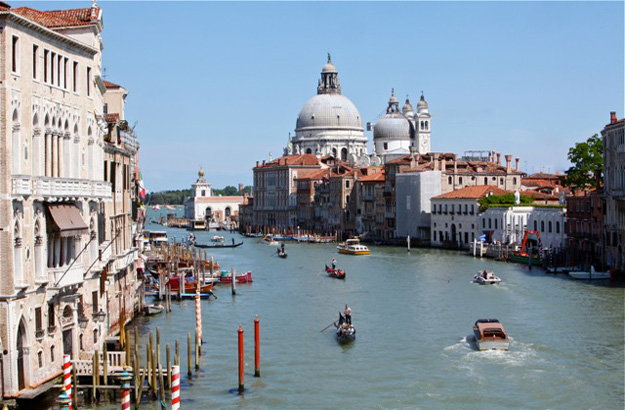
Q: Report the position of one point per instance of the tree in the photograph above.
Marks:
(587, 170)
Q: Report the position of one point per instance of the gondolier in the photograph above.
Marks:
(348, 315)
(333, 263)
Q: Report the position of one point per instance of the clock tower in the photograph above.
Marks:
(423, 124)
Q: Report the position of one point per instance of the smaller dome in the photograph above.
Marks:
(407, 108)
(393, 99)
(200, 173)
(392, 126)
(329, 67)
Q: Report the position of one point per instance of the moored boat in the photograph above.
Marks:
(189, 287)
(486, 277)
(489, 334)
(154, 309)
(268, 240)
(589, 275)
(353, 247)
(335, 273)
(217, 245)
(226, 277)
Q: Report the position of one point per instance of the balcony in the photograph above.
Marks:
(50, 188)
(61, 277)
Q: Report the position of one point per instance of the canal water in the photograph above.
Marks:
(413, 313)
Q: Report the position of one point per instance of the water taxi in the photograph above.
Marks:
(353, 247)
(156, 238)
(489, 334)
(197, 225)
(486, 277)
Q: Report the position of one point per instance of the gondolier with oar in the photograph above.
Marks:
(334, 267)
(348, 314)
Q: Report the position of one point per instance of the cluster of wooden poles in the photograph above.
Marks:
(159, 380)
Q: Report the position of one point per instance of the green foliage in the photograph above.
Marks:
(587, 170)
(507, 199)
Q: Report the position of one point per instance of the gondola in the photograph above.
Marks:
(335, 273)
(282, 253)
(345, 333)
(217, 245)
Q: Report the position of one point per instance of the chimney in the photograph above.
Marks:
(240, 187)
(508, 163)
(256, 164)
(516, 167)
(443, 164)
(612, 117)
(498, 158)
(435, 161)
(263, 162)
(455, 166)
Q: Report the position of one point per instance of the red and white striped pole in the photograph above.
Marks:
(198, 315)
(125, 379)
(241, 360)
(175, 388)
(67, 377)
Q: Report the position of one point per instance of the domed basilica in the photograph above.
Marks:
(330, 124)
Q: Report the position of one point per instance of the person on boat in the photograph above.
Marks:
(334, 265)
(233, 241)
(484, 275)
(282, 247)
(348, 315)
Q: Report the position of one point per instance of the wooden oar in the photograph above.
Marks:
(333, 323)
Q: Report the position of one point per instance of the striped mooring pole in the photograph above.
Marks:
(241, 360)
(125, 378)
(175, 388)
(63, 400)
(198, 314)
(67, 378)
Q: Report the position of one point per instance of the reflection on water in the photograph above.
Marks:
(414, 313)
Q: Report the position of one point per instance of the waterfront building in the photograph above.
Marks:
(508, 224)
(334, 208)
(455, 215)
(414, 191)
(370, 202)
(396, 132)
(306, 188)
(545, 183)
(67, 248)
(455, 174)
(329, 123)
(218, 211)
(275, 190)
(613, 135)
(585, 228)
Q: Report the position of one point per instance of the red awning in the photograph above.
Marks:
(68, 219)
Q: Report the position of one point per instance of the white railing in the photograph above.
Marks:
(49, 187)
(60, 278)
(116, 363)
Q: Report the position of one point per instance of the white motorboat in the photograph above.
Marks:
(154, 309)
(489, 334)
(486, 277)
(353, 247)
(218, 238)
(268, 240)
(592, 274)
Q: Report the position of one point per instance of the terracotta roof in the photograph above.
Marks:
(319, 174)
(473, 192)
(372, 174)
(542, 175)
(303, 159)
(59, 18)
(109, 84)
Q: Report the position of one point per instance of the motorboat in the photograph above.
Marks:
(218, 238)
(226, 277)
(156, 238)
(489, 334)
(268, 240)
(353, 247)
(335, 273)
(197, 225)
(589, 275)
(486, 277)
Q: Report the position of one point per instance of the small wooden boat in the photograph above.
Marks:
(486, 277)
(489, 334)
(345, 332)
(217, 245)
(335, 273)
(154, 309)
(226, 277)
(189, 287)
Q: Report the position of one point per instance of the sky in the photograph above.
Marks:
(220, 84)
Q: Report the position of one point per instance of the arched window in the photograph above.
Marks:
(426, 125)
(334, 152)
(227, 211)
(460, 180)
(422, 125)
(550, 227)
(542, 226)
(344, 154)
(485, 181)
(557, 226)
(308, 151)
(449, 180)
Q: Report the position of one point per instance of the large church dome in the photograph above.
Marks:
(329, 111)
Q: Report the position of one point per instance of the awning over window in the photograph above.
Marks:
(68, 219)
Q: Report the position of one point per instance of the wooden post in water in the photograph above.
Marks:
(161, 386)
(153, 372)
(105, 368)
(197, 352)
(241, 361)
(256, 347)
(189, 354)
(94, 375)
(127, 348)
(233, 285)
(158, 346)
(148, 368)
(168, 354)
(408, 242)
(177, 355)
(74, 388)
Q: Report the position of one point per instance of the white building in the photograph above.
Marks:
(413, 208)
(219, 211)
(329, 123)
(455, 215)
(397, 132)
(509, 224)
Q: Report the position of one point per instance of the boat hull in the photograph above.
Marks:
(335, 273)
(589, 275)
(349, 252)
(525, 260)
(244, 278)
(345, 337)
(492, 345)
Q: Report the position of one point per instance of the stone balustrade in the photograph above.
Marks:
(58, 188)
